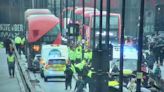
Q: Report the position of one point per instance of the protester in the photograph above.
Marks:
(157, 73)
(150, 60)
(68, 76)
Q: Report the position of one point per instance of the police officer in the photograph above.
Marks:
(72, 55)
(91, 80)
(18, 43)
(79, 67)
(11, 64)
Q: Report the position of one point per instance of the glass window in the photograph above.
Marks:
(56, 61)
(113, 22)
(87, 21)
(55, 53)
(113, 29)
(68, 14)
(50, 36)
(78, 17)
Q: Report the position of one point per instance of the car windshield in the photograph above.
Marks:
(55, 53)
(56, 61)
(128, 64)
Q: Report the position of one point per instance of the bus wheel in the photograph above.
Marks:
(45, 79)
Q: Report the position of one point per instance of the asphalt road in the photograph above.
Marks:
(54, 85)
(58, 85)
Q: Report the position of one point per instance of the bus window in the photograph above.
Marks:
(51, 35)
(114, 29)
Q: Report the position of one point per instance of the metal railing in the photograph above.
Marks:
(25, 81)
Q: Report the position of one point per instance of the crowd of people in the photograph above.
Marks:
(80, 66)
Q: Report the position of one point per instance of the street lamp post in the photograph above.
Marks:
(100, 60)
(83, 29)
(122, 47)
(61, 19)
(140, 43)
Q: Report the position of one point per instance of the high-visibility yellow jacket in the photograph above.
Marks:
(81, 65)
(10, 59)
(73, 68)
(79, 52)
(23, 41)
(72, 55)
(113, 83)
(88, 55)
(18, 40)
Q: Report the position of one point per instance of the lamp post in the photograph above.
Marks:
(122, 47)
(83, 29)
(140, 43)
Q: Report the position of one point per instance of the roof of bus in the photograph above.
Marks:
(89, 14)
(29, 12)
(69, 8)
(80, 10)
(38, 25)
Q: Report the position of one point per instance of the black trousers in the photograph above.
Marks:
(18, 48)
(68, 82)
(11, 71)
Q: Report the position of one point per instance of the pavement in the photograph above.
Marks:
(7, 84)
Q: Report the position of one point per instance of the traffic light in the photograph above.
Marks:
(73, 29)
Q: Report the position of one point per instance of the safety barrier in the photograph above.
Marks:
(27, 86)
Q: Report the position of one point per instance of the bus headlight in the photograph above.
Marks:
(36, 48)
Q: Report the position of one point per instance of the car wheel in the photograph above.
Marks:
(45, 79)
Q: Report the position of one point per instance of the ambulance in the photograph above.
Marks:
(53, 61)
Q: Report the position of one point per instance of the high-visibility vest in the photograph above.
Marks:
(73, 68)
(10, 58)
(113, 83)
(79, 52)
(22, 41)
(72, 55)
(88, 55)
(18, 40)
(81, 65)
(89, 74)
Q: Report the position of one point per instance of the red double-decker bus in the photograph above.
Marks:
(115, 27)
(42, 28)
